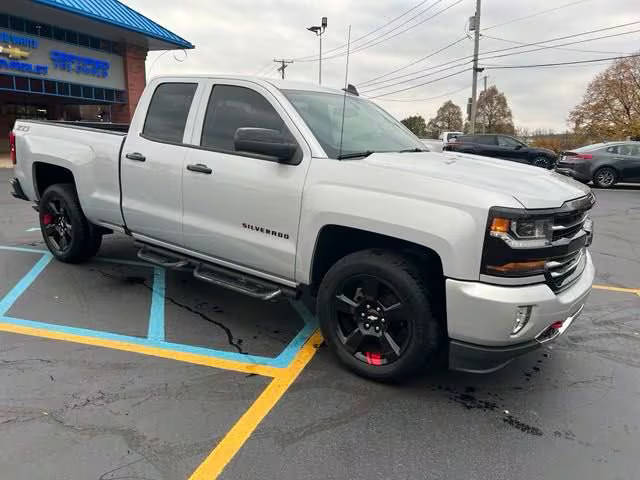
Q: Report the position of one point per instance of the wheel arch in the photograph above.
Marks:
(47, 174)
(606, 165)
(336, 241)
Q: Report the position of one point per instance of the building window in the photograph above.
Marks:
(38, 29)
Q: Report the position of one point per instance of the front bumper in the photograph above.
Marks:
(16, 189)
(480, 319)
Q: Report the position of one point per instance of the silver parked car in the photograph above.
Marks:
(603, 163)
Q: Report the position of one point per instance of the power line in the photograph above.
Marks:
(416, 78)
(263, 68)
(463, 38)
(367, 34)
(576, 62)
(556, 48)
(416, 61)
(421, 84)
(535, 14)
(467, 57)
(546, 47)
(426, 99)
(373, 42)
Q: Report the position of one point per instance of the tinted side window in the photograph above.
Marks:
(168, 111)
(231, 108)
(613, 150)
(507, 142)
(625, 149)
(485, 139)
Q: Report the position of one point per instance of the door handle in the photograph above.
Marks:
(138, 157)
(200, 168)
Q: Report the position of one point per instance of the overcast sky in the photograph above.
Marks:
(243, 36)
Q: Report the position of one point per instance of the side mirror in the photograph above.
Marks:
(519, 147)
(265, 141)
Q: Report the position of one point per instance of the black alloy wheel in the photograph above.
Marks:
(57, 226)
(375, 311)
(371, 319)
(541, 162)
(66, 231)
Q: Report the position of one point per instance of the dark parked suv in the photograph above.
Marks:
(504, 147)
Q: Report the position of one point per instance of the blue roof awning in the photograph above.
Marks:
(115, 13)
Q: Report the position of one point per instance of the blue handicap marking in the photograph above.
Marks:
(156, 323)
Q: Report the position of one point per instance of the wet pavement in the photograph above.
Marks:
(72, 410)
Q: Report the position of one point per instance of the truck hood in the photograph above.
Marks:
(533, 187)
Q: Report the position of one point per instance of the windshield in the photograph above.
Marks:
(367, 128)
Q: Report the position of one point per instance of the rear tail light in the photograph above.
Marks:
(583, 156)
(12, 146)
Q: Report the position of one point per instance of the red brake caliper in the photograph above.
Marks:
(373, 358)
(47, 219)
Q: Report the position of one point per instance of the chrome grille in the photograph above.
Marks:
(563, 271)
(566, 225)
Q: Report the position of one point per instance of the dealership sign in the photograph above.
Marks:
(81, 65)
(60, 61)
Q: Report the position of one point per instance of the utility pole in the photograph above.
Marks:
(484, 126)
(284, 64)
(474, 85)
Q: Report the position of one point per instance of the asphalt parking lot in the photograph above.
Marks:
(118, 370)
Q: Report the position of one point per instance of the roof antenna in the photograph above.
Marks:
(344, 97)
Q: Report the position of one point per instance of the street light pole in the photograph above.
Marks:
(319, 31)
(320, 62)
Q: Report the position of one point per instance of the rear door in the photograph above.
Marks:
(152, 162)
(242, 209)
(486, 145)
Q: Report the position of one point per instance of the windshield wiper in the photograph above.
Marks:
(364, 154)
(410, 150)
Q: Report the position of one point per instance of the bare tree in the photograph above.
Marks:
(494, 114)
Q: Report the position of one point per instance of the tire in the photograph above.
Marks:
(605, 177)
(66, 231)
(350, 316)
(542, 162)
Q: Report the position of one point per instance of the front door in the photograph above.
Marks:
(629, 158)
(152, 162)
(239, 208)
(510, 149)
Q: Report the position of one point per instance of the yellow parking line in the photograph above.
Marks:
(618, 289)
(146, 350)
(244, 427)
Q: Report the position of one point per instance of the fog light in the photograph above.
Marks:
(523, 314)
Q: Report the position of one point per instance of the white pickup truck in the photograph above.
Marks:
(437, 145)
(270, 188)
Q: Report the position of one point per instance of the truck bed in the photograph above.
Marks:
(89, 151)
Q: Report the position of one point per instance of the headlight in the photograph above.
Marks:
(522, 232)
(511, 236)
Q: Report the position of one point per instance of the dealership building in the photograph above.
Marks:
(74, 60)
